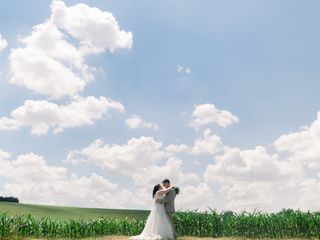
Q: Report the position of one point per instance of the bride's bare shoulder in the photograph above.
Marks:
(158, 193)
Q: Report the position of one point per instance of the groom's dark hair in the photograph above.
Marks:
(166, 181)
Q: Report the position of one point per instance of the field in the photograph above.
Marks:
(180, 238)
(40, 223)
(66, 213)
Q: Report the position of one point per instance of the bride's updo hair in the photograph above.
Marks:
(155, 189)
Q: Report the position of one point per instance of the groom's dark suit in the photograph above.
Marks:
(168, 202)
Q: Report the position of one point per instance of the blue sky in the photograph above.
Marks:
(258, 60)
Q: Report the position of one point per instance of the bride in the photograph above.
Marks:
(157, 225)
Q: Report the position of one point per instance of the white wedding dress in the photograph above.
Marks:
(157, 225)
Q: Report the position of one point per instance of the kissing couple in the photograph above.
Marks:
(159, 224)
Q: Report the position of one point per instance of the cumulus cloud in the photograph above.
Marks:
(183, 69)
(147, 162)
(122, 159)
(3, 43)
(96, 30)
(171, 170)
(140, 159)
(254, 179)
(257, 164)
(209, 143)
(8, 124)
(42, 115)
(136, 121)
(235, 179)
(198, 197)
(264, 178)
(32, 179)
(52, 65)
(178, 148)
(303, 146)
(48, 64)
(205, 114)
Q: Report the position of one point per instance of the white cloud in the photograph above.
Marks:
(242, 179)
(257, 164)
(4, 155)
(142, 158)
(7, 124)
(139, 159)
(41, 116)
(30, 178)
(253, 178)
(156, 173)
(183, 69)
(205, 114)
(198, 197)
(177, 148)
(209, 143)
(122, 159)
(136, 121)
(236, 179)
(49, 64)
(96, 30)
(303, 146)
(308, 195)
(3, 43)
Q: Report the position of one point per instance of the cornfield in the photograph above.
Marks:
(287, 223)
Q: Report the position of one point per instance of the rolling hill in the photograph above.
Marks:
(65, 213)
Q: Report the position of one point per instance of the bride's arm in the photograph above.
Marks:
(168, 198)
(161, 192)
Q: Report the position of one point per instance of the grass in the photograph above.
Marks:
(67, 213)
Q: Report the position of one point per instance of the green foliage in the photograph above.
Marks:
(27, 226)
(177, 190)
(284, 224)
(9, 199)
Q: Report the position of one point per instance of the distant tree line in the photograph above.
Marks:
(9, 199)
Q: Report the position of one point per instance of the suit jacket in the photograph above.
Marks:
(168, 201)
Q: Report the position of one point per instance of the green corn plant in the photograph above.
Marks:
(284, 224)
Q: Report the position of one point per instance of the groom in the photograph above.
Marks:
(168, 202)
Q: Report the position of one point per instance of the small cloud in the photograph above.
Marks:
(205, 114)
(183, 69)
(3, 43)
(136, 121)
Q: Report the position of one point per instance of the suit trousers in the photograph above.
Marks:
(170, 216)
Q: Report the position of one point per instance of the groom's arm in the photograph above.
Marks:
(168, 198)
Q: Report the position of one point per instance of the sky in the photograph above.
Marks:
(101, 100)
